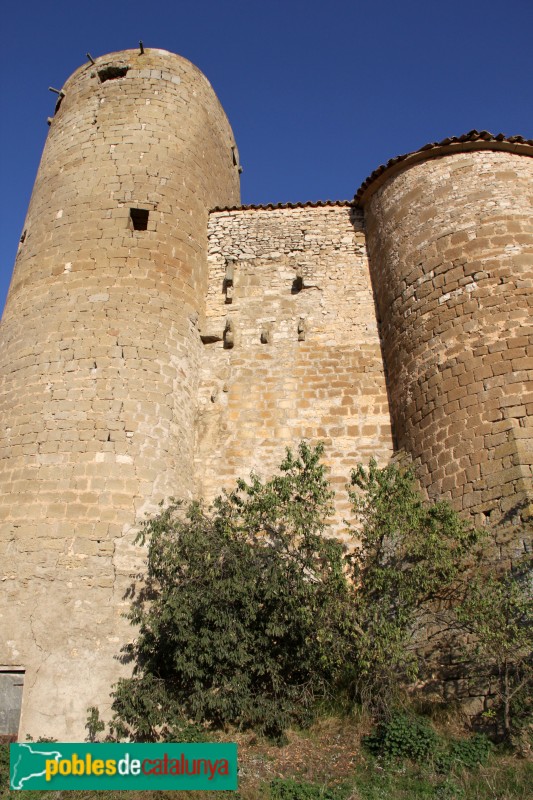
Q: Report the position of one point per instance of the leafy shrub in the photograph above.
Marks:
(289, 789)
(449, 789)
(93, 725)
(407, 561)
(497, 612)
(403, 736)
(463, 753)
(252, 617)
(471, 752)
(247, 611)
(40, 739)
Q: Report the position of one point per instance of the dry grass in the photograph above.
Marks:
(330, 755)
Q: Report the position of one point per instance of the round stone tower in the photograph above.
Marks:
(450, 236)
(99, 346)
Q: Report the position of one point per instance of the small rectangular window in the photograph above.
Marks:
(139, 219)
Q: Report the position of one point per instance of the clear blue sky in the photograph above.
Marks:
(319, 92)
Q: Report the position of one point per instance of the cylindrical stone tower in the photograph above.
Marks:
(450, 237)
(99, 347)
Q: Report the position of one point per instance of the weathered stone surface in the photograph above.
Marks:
(451, 253)
(150, 349)
(99, 366)
(302, 274)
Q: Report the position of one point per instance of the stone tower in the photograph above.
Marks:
(98, 363)
(450, 239)
(159, 339)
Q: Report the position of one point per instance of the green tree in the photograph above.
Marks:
(498, 613)
(246, 616)
(407, 565)
(252, 615)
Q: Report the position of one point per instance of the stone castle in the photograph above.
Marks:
(160, 339)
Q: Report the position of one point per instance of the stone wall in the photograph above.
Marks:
(294, 286)
(149, 349)
(451, 250)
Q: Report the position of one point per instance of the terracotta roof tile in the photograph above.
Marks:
(275, 206)
(468, 141)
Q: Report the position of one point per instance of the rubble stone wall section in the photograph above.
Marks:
(451, 252)
(99, 359)
(293, 285)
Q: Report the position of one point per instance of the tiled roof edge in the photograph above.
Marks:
(276, 206)
(474, 140)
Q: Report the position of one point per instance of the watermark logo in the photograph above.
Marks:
(93, 766)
